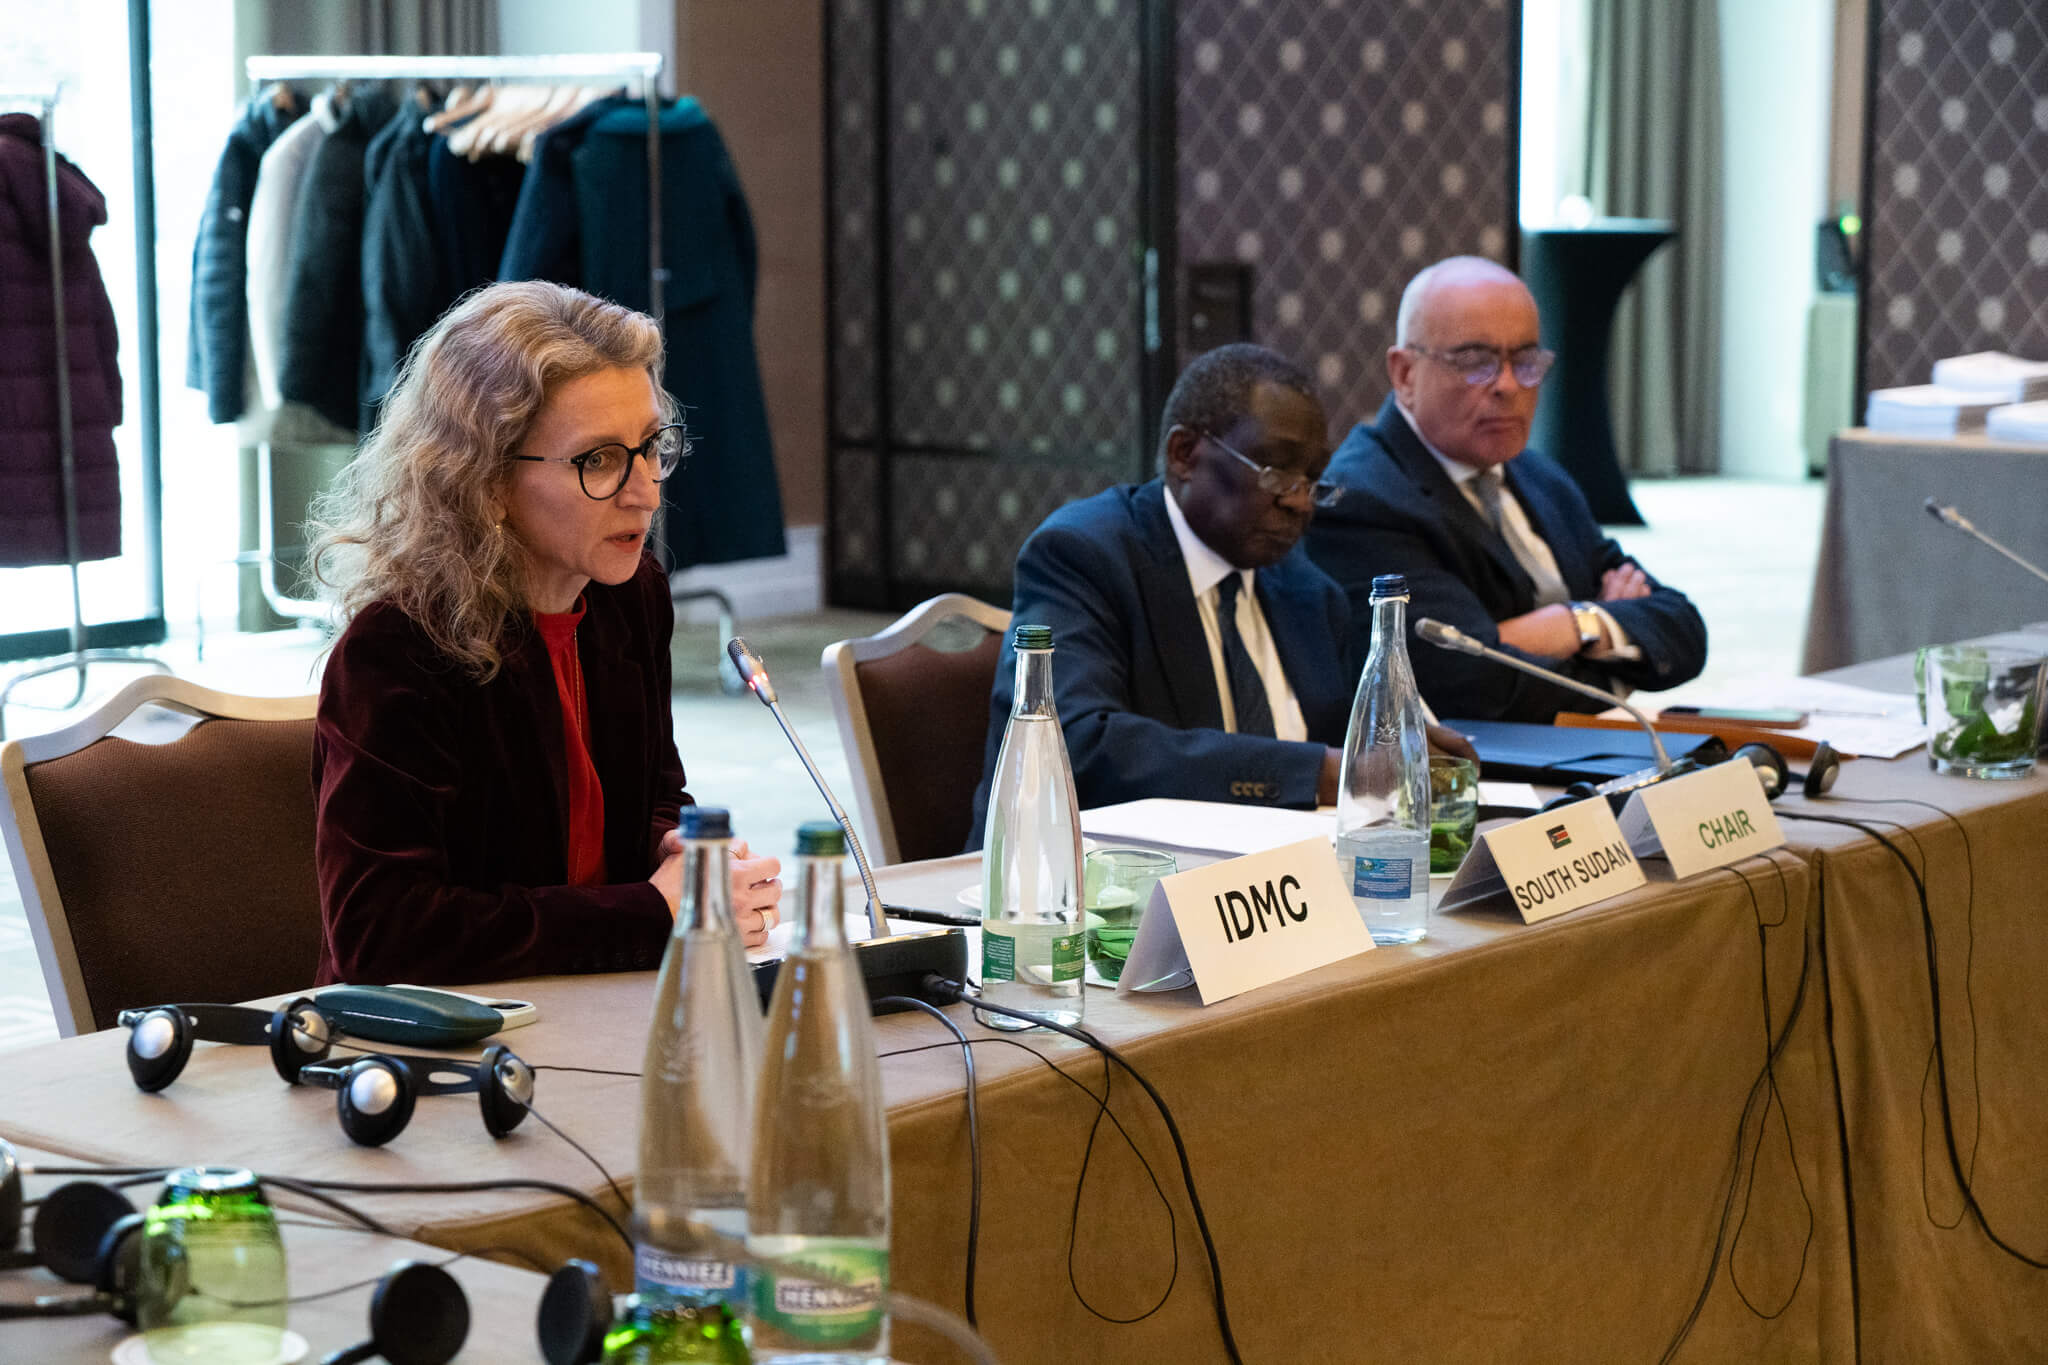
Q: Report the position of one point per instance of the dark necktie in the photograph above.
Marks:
(1247, 688)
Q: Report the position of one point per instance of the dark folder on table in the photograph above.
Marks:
(1514, 751)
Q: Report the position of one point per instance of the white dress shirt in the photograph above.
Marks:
(1206, 569)
(1529, 548)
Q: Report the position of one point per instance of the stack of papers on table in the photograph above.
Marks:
(2026, 423)
(1994, 374)
(1855, 721)
(1927, 410)
(1228, 830)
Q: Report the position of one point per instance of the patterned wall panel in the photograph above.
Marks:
(1957, 230)
(851, 156)
(1337, 148)
(1010, 129)
(1013, 213)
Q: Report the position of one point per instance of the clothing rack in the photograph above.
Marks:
(643, 67)
(45, 100)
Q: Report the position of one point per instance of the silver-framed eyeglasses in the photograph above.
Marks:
(1478, 365)
(1281, 483)
(604, 471)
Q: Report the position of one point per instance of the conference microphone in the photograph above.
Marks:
(1948, 516)
(1450, 637)
(755, 674)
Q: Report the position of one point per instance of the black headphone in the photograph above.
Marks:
(375, 1094)
(575, 1314)
(1818, 780)
(418, 1316)
(84, 1233)
(160, 1038)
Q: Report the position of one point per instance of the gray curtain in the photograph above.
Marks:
(1653, 150)
(430, 28)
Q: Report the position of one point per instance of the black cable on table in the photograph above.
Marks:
(955, 990)
(617, 1193)
(973, 1137)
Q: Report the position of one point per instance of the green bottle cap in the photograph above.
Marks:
(1034, 637)
(820, 839)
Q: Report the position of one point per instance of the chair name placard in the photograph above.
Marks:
(1552, 862)
(1246, 922)
(1710, 818)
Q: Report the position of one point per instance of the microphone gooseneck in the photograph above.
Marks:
(756, 674)
(1949, 516)
(1450, 637)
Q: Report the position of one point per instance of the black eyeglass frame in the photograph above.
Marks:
(1279, 483)
(1478, 373)
(665, 462)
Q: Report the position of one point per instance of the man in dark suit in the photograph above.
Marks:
(1196, 651)
(1494, 539)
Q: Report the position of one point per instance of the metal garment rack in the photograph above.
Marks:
(643, 67)
(45, 99)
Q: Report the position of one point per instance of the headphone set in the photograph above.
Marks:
(374, 1093)
(87, 1233)
(1771, 769)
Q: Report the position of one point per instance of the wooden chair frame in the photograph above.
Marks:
(48, 924)
(839, 661)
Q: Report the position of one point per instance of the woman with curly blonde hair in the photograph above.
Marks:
(497, 778)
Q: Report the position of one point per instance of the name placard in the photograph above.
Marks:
(1245, 923)
(1710, 818)
(1554, 861)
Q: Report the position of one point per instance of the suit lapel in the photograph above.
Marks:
(1467, 527)
(1178, 640)
(526, 662)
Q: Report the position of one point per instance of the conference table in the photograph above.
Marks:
(1889, 577)
(1701, 1113)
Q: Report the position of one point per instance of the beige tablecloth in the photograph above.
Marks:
(1506, 1142)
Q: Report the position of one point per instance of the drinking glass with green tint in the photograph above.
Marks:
(1453, 811)
(1983, 708)
(211, 1284)
(1117, 884)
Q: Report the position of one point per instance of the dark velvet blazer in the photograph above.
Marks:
(1400, 513)
(1130, 666)
(443, 802)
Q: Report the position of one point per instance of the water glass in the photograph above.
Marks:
(1983, 706)
(1117, 885)
(211, 1284)
(1453, 811)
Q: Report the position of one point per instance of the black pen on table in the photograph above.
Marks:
(929, 916)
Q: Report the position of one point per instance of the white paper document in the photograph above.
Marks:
(1856, 721)
(1219, 827)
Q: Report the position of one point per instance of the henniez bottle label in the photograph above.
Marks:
(999, 956)
(843, 1306)
(1383, 879)
(686, 1277)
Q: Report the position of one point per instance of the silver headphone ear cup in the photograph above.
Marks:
(1821, 771)
(159, 1044)
(375, 1100)
(504, 1089)
(300, 1035)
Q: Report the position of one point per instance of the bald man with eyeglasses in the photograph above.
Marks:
(1494, 538)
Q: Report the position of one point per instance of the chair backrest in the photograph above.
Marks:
(914, 721)
(180, 871)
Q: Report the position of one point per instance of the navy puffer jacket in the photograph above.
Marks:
(216, 357)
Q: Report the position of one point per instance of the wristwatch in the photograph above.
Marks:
(1592, 631)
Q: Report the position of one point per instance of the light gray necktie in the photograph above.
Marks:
(1491, 487)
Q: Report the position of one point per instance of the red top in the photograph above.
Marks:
(586, 798)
